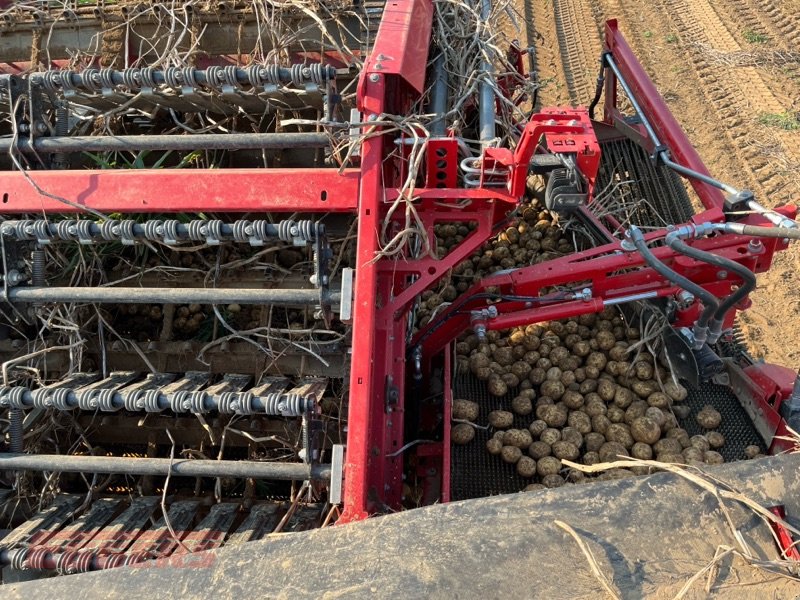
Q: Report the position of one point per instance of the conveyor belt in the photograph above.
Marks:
(115, 531)
(476, 473)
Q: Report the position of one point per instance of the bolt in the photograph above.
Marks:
(374, 78)
(755, 247)
(722, 274)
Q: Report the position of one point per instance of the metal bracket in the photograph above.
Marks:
(337, 474)
(391, 394)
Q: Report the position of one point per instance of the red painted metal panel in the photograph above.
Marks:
(401, 46)
(167, 190)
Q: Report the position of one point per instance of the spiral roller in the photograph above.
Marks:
(35, 558)
(126, 234)
(60, 399)
(170, 231)
(150, 401)
(258, 234)
(81, 562)
(197, 402)
(16, 398)
(87, 399)
(83, 230)
(133, 400)
(105, 400)
(179, 402)
(17, 558)
(64, 562)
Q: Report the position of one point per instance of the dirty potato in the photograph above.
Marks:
(466, 410)
(462, 434)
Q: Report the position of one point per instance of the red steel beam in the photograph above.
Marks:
(189, 190)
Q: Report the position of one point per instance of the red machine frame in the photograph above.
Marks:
(392, 79)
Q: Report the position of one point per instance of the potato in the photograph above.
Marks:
(700, 442)
(606, 389)
(752, 451)
(521, 438)
(580, 421)
(537, 427)
(537, 376)
(462, 433)
(553, 480)
(670, 457)
(635, 410)
(497, 387)
(591, 458)
(643, 388)
(645, 430)
(619, 432)
(582, 349)
(521, 369)
(642, 451)
(680, 434)
(675, 391)
(615, 414)
(539, 450)
(656, 415)
(708, 417)
(501, 419)
(623, 397)
(576, 476)
(534, 487)
(555, 415)
(643, 370)
(548, 465)
(592, 372)
(573, 400)
(587, 386)
(522, 406)
(667, 446)
(611, 451)
(600, 424)
(715, 439)
(713, 458)
(466, 410)
(595, 408)
(619, 352)
(605, 340)
(478, 361)
(596, 360)
(494, 446)
(511, 454)
(659, 400)
(565, 450)
(503, 356)
(573, 436)
(553, 389)
(692, 454)
(511, 380)
(594, 441)
(550, 436)
(526, 467)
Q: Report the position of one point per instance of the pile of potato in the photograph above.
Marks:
(530, 238)
(580, 398)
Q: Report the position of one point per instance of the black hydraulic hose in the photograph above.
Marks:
(710, 301)
(601, 78)
(748, 277)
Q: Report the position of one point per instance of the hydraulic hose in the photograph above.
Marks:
(710, 301)
(748, 279)
(759, 231)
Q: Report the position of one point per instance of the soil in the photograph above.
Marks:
(724, 67)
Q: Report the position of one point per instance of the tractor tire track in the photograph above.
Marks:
(738, 94)
(579, 44)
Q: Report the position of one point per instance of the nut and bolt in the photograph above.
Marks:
(755, 246)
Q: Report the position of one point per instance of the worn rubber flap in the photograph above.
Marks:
(649, 535)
